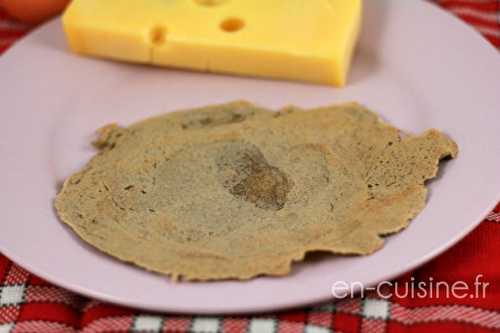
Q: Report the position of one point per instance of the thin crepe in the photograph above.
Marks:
(237, 191)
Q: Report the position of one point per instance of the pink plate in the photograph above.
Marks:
(416, 65)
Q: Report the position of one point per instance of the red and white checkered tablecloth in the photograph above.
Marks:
(29, 304)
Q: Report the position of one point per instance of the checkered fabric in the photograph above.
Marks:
(29, 304)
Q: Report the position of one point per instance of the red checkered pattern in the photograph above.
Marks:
(28, 304)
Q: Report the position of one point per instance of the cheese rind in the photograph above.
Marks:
(307, 41)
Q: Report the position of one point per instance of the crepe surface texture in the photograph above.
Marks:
(235, 191)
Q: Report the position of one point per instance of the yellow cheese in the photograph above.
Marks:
(306, 40)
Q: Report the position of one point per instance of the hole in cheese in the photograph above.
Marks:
(232, 24)
(158, 35)
(209, 3)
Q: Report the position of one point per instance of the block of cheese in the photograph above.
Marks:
(306, 40)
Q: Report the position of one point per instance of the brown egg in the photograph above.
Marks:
(33, 11)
